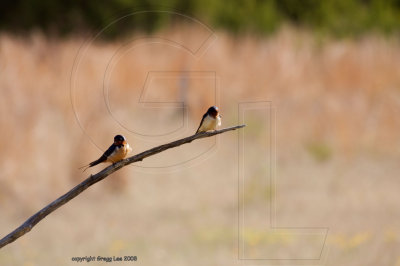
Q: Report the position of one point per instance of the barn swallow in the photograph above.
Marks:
(116, 152)
(211, 119)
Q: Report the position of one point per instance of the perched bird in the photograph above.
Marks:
(210, 120)
(116, 152)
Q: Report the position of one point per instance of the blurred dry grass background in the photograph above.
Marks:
(337, 104)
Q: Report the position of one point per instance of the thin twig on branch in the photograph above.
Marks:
(92, 179)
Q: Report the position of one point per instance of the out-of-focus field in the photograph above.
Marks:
(337, 105)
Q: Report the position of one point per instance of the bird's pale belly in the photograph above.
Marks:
(119, 154)
(209, 123)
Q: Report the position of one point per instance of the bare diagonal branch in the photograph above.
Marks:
(92, 179)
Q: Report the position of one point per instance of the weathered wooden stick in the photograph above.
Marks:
(92, 179)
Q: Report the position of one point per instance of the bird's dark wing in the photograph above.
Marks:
(204, 116)
(107, 153)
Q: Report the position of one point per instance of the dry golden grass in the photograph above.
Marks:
(337, 106)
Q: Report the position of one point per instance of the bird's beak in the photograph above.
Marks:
(124, 142)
